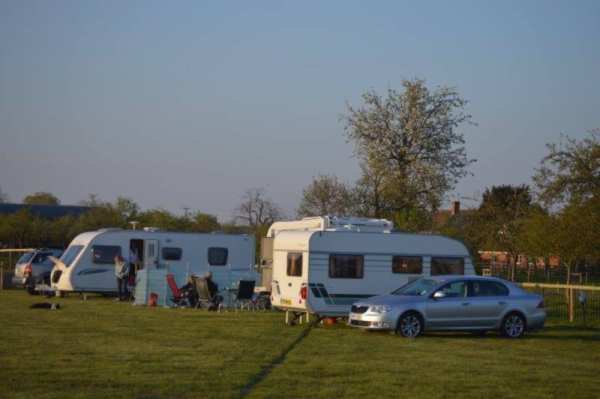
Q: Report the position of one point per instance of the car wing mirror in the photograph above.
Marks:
(439, 294)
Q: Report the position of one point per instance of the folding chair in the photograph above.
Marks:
(245, 294)
(204, 297)
(263, 300)
(177, 298)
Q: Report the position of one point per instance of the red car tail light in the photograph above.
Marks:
(541, 305)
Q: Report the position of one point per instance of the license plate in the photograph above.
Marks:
(355, 316)
(286, 301)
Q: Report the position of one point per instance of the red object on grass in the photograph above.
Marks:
(152, 301)
(331, 320)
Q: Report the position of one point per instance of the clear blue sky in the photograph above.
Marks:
(190, 103)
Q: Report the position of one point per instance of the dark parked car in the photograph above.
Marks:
(34, 268)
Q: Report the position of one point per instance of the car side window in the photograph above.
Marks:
(483, 288)
(40, 257)
(501, 289)
(456, 289)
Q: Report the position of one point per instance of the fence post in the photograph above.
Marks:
(571, 306)
(2, 276)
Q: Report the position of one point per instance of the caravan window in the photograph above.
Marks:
(171, 253)
(294, 264)
(441, 266)
(346, 266)
(70, 254)
(105, 254)
(407, 264)
(217, 256)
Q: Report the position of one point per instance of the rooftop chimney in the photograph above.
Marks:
(455, 207)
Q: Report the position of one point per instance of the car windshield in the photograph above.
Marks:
(70, 254)
(417, 288)
(26, 257)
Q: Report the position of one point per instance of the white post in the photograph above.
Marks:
(229, 284)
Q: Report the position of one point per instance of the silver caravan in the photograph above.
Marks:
(88, 263)
(323, 265)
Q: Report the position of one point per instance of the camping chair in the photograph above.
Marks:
(245, 294)
(204, 297)
(177, 298)
(263, 300)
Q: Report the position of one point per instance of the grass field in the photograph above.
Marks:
(102, 348)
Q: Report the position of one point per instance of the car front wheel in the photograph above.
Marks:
(513, 326)
(409, 325)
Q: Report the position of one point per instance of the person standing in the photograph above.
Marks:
(122, 273)
(133, 257)
(134, 260)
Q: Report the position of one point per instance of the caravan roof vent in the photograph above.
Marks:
(107, 230)
(152, 229)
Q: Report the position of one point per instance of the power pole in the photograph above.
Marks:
(185, 211)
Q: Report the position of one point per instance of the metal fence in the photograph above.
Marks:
(566, 300)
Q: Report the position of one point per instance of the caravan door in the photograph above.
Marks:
(151, 253)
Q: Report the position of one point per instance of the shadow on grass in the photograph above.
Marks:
(277, 361)
(534, 335)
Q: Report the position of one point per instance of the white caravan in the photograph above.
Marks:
(88, 264)
(323, 265)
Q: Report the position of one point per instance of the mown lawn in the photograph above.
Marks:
(105, 348)
(102, 348)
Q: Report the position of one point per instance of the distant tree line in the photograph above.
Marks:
(24, 229)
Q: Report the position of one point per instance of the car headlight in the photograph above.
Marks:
(380, 309)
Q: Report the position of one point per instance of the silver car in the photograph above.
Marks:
(452, 303)
(34, 268)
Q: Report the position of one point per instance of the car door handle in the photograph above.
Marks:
(465, 303)
(501, 303)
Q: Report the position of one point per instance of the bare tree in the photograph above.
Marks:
(3, 196)
(375, 193)
(256, 210)
(326, 195)
(93, 201)
(413, 135)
